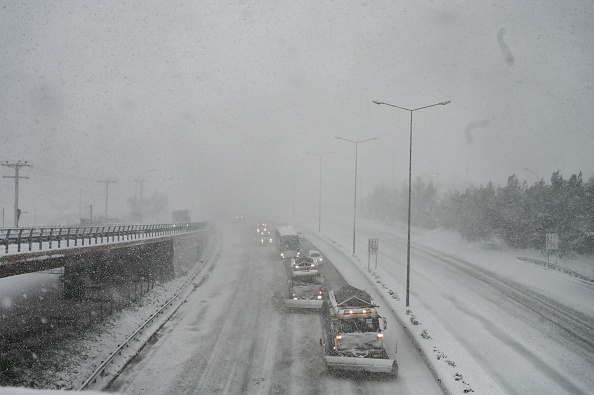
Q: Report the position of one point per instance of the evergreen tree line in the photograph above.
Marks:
(518, 213)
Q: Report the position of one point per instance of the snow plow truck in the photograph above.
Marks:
(353, 331)
(306, 288)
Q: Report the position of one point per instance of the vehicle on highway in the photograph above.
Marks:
(263, 229)
(306, 289)
(353, 331)
(316, 256)
(302, 263)
(288, 243)
(264, 240)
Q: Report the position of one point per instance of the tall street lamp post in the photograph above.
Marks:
(320, 198)
(355, 204)
(409, 184)
(136, 187)
(155, 195)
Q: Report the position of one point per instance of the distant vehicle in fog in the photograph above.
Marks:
(181, 216)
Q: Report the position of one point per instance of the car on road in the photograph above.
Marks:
(316, 256)
(263, 229)
(302, 263)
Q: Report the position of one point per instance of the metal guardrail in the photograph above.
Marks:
(76, 234)
(559, 268)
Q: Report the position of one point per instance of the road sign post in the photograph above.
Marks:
(372, 249)
(552, 244)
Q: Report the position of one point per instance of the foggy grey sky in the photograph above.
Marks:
(228, 97)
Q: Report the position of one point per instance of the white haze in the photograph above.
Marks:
(227, 98)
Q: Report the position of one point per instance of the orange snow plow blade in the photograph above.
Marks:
(303, 304)
(371, 365)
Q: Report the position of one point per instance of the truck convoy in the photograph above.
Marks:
(306, 285)
(353, 331)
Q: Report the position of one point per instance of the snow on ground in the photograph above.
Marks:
(504, 322)
(457, 372)
(234, 336)
(72, 359)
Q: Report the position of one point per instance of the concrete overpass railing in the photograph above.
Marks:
(52, 237)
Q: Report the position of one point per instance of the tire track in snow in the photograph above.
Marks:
(235, 344)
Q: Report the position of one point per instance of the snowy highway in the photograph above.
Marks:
(233, 336)
(531, 330)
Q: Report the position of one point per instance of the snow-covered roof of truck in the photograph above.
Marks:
(286, 231)
(349, 296)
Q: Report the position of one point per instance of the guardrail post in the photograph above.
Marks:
(19, 240)
(68, 237)
(29, 239)
(50, 237)
(7, 239)
(40, 238)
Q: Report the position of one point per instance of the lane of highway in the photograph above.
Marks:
(234, 336)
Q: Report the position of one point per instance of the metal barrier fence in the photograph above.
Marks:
(559, 268)
(46, 236)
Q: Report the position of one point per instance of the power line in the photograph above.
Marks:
(17, 166)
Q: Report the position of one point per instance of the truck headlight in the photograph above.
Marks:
(380, 335)
(338, 337)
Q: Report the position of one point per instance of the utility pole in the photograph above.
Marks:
(16, 166)
(107, 182)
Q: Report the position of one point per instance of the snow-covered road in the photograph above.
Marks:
(530, 329)
(233, 336)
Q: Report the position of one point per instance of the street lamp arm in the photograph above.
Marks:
(373, 138)
(143, 173)
(342, 138)
(433, 105)
(415, 109)
(391, 105)
(357, 142)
